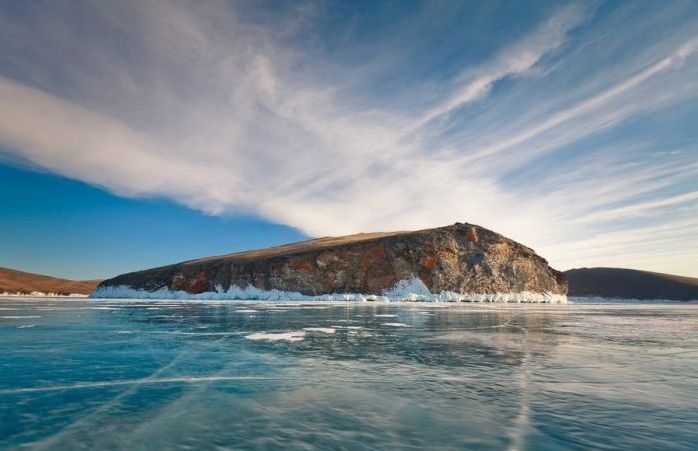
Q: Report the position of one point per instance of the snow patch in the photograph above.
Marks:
(277, 336)
(324, 330)
(20, 317)
(412, 289)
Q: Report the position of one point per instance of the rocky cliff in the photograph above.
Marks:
(455, 263)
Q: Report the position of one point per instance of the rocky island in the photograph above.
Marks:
(461, 262)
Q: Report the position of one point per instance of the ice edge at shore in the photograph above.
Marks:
(405, 290)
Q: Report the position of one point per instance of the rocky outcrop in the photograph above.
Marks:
(457, 262)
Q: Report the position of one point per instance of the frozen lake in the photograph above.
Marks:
(90, 374)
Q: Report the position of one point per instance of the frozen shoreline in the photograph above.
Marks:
(39, 294)
(411, 290)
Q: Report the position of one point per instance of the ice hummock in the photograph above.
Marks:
(412, 289)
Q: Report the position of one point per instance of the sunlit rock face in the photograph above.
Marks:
(446, 263)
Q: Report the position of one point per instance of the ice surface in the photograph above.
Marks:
(579, 376)
(137, 382)
(602, 300)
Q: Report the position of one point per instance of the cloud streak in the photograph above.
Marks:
(516, 60)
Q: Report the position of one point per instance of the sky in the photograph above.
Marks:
(143, 132)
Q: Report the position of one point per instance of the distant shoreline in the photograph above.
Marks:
(42, 295)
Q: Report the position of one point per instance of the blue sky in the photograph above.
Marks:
(65, 227)
(135, 133)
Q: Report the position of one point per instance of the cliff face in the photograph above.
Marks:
(457, 262)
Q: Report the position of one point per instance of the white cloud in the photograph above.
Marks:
(78, 143)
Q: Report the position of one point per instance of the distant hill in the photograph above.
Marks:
(13, 281)
(631, 284)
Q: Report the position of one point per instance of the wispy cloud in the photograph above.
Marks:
(515, 60)
(223, 111)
